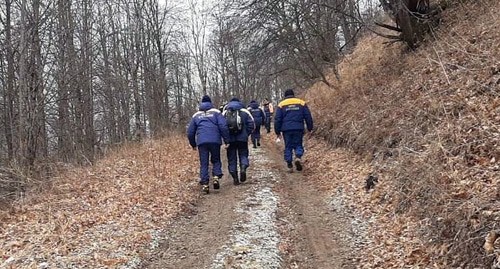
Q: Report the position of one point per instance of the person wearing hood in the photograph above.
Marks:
(206, 131)
(237, 115)
(259, 117)
(289, 121)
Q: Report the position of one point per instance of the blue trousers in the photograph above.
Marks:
(268, 124)
(209, 152)
(237, 150)
(293, 142)
(256, 134)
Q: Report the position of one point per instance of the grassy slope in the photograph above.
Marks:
(103, 215)
(429, 121)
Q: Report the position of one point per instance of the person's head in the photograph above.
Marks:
(289, 93)
(206, 103)
(206, 99)
(254, 104)
(235, 103)
(266, 100)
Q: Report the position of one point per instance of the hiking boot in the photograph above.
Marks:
(258, 143)
(236, 181)
(290, 167)
(216, 183)
(243, 173)
(254, 146)
(298, 164)
(205, 189)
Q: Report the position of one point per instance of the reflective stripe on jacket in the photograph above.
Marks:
(291, 115)
(207, 126)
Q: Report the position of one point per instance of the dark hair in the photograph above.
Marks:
(206, 99)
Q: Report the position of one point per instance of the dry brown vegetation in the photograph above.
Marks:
(429, 122)
(104, 215)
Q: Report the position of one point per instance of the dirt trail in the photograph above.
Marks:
(317, 235)
(274, 220)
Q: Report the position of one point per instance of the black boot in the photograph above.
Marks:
(258, 142)
(236, 181)
(205, 189)
(216, 182)
(298, 164)
(243, 173)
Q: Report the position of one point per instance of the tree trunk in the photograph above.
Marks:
(40, 142)
(65, 37)
(408, 16)
(10, 94)
(24, 117)
(31, 98)
(87, 87)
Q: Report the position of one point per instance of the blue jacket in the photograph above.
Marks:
(290, 116)
(246, 118)
(207, 126)
(258, 114)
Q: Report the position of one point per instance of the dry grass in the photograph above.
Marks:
(103, 215)
(430, 122)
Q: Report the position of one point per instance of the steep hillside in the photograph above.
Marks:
(429, 123)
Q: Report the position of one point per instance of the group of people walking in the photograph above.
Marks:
(233, 124)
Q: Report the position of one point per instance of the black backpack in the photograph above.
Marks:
(234, 122)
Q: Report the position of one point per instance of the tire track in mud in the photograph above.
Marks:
(274, 220)
(234, 227)
(317, 233)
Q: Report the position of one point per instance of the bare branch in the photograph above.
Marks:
(387, 26)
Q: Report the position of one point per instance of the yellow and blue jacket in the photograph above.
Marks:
(291, 115)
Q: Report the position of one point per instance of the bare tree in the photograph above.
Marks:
(300, 36)
(10, 95)
(197, 41)
(32, 134)
(412, 18)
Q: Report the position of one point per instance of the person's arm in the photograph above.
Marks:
(223, 129)
(278, 121)
(191, 133)
(308, 118)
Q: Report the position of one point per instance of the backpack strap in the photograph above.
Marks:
(250, 115)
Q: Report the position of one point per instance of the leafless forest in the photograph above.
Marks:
(77, 76)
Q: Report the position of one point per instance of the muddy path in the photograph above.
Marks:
(274, 220)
